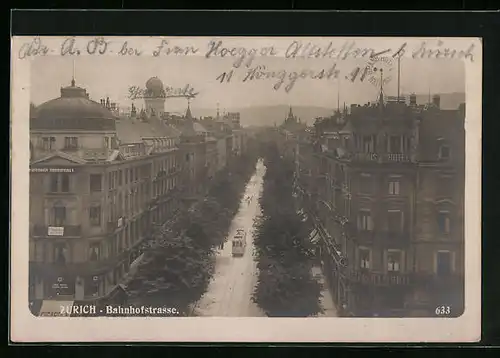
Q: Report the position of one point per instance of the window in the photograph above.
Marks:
(443, 263)
(366, 184)
(364, 258)
(394, 186)
(394, 221)
(94, 251)
(368, 144)
(365, 221)
(60, 253)
(95, 215)
(95, 182)
(54, 182)
(120, 178)
(131, 175)
(395, 144)
(126, 176)
(443, 219)
(393, 261)
(444, 152)
(91, 286)
(70, 142)
(64, 182)
(48, 143)
(59, 182)
(59, 215)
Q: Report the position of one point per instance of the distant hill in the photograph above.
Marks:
(448, 100)
(268, 115)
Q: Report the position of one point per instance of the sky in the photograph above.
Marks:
(112, 76)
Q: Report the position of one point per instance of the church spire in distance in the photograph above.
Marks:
(188, 111)
(73, 78)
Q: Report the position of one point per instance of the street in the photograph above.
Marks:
(230, 291)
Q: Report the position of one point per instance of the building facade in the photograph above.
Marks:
(384, 184)
(98, 184)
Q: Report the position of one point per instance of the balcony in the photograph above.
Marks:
(366, 277)
(365, 157)
(373, 157)
(381, 237)
(57, 231)
(396, 158)
(79, 269)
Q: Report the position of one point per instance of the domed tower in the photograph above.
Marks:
(154, 98)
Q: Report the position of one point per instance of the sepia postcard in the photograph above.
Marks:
(246, 189)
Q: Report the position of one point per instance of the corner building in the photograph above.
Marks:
(384, 183)
(99, 182)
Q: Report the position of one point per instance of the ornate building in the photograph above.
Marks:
(98, 184)
(384, 183)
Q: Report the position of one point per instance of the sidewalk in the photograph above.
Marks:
(326, 299)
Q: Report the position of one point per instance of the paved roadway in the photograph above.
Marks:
(230, 291)
(231, 288)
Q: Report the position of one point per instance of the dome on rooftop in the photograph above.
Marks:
(75, 108)
(155, 86)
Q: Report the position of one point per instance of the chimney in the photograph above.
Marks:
(413, 99)
(436, 100)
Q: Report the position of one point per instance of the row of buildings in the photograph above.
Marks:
(384, 186)
(100, 181)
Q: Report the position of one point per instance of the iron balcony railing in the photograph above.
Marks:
(367, 277)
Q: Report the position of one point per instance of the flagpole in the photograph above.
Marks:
(399, 75)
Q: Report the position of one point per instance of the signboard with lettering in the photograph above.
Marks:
(55, 231)
(52, 170)
(63, 286)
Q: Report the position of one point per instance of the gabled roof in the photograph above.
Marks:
(59, 158)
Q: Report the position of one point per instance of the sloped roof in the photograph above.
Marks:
(133, 130)
(59, 154)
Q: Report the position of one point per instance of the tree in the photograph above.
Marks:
(285, 286)
(175, 270)
(178, 261)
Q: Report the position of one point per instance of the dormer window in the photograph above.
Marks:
(70, 142)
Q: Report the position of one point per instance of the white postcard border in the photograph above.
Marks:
(27, 328)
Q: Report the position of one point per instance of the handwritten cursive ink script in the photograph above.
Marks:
(165, 49)
(242, 54)
(33, 48)
(136, 92)
(439, 52)
(289, 79)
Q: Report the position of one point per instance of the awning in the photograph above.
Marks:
(53, 308)
(314, 237)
